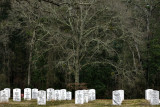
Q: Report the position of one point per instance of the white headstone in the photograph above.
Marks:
(93, 94)
(60, 91)
(63, 94)
(69, 95)
(122, 94)
(148, 94)
(34, 93)
(27, 94)
(57, 95)
(4, 96)
(85, 93)
(89, 95)
(9, 92)
(41, 100)
(79, 97)
(50, 94)
(154, 98)
(116, 97)
(16, 94)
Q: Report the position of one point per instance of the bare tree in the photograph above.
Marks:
(24, 17)
(143, 11)
(82, 30)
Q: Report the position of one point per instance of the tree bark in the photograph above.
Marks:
(77, 68)
(30, 58)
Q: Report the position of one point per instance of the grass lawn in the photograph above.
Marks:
(97, 103)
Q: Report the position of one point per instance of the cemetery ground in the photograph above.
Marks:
(97, 103)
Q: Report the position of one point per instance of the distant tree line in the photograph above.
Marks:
(76, 44)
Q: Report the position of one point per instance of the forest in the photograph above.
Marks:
(81, 44)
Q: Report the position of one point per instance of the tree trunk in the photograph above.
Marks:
(148, 46)
(30, 58)
(77, 68)
(76, 79)
(77, 76)
(29, 69)
(50, 73)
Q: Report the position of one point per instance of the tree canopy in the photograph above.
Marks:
(77, 44)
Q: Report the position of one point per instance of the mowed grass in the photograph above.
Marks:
(97, 103)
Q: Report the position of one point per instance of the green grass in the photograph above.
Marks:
(97, 103)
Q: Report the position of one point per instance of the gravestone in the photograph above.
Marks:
(60, 91)
(122, 94)
(93, 94)
(34, 93)
(50, 94)
(4, 96)
(154, 98)
(85, 93)
(9, 92)
(63, 94)
(27, 94)
(148, 94)
(68, 95)
(79, 97)
(57, 95)
(16, 94)
(89, 95)
(116, 97)
(41, 100)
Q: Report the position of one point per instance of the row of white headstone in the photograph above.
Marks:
(52, 94)
(152, 96)
(81, 96)
(41, 96)
(117, 97)
(84, 96)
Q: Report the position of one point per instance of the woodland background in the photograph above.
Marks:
(77, 44)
